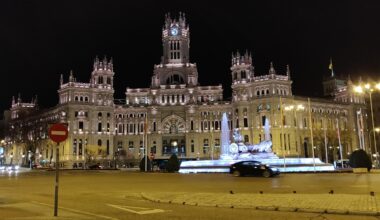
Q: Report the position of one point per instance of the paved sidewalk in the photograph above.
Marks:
(313, 203)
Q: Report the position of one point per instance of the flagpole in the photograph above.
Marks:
(282, 132)
(311, 132)
(145, 143)
(340, 144)
(326, 149)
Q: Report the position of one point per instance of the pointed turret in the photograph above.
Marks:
(71, 77)
(19, 98)
(61, 80)
(13, 100)
(288, 71)
(272, 71)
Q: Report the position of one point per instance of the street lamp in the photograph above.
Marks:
(369, 88)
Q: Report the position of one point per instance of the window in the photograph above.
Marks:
(192, 146)
(74, 147)
(81, 125)
(246, 139)
(263, 118)
(245, 122)
(130, 145)
(108, 127)
(99, 142)
(109, 80)
(154, 126)
(76, 98)
(243, 75)
(99, 114)
(191, 125)
(86, 99)
(100, 80)
(99, 127)
(205, 146)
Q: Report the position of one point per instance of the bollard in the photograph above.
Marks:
(372, 193)
(261, 192)
(294, 192)
(331, 192)
(231, 192)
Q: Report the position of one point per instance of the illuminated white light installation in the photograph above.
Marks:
(234, 152)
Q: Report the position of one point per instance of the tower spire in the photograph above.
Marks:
(288, 71)
(61, 80)
(13, 100)
(71, 77)
(272, 71)
(19, 98)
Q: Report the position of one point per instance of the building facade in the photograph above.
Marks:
(177, 115)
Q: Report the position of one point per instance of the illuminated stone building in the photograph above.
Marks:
(178, 115)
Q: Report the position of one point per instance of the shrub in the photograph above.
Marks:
(360, 159)
(173, 164)
(142, 164)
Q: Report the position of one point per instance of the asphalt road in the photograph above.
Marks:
(116, 194)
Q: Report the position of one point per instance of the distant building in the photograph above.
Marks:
(180, 116)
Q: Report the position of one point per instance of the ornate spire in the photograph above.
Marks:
(61, 80)
(288, 71)
(13, 100)
(272, 71)
(71, 77)
(19, 98)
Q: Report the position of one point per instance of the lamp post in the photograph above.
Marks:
(369, 88)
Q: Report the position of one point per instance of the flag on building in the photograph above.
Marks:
(331, 68)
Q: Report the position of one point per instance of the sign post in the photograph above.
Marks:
(57, 133)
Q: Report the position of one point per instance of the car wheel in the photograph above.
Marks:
(266, 173)
(236, 173)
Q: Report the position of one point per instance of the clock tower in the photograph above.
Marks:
(175, 40)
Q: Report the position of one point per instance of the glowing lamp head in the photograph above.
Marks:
(358, 89)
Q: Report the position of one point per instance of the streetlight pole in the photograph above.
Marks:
(311, 132)
(373, 124)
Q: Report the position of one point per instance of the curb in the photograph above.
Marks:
(267, 208)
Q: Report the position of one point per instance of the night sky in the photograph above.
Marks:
(42, 39)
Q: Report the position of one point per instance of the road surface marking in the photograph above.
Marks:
(77, 211)
(143, 211)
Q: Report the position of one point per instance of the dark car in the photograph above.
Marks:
(95, 167)
(253, 168)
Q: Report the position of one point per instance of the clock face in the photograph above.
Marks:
(174, 31)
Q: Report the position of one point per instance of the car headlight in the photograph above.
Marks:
(274, 169)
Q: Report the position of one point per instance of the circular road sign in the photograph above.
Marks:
(58, 132)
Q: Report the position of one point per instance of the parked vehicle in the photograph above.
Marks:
(254, 168)
(95, 167)
(342, 163)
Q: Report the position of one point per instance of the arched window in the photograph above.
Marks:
(99, 142)
(81, 99)
(76, 98)
(109, 80)
(99, 114)
(243, 75)
(100, 80)
(99, 127)
(86, 99)
(174, 79)
(258, 93)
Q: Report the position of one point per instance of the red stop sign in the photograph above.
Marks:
(58, 132)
